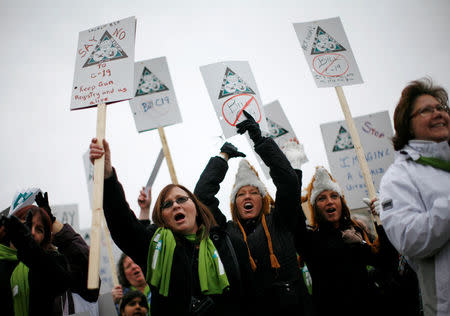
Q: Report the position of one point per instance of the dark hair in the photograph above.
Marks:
(404, 108)
(131, 295)
(122, 278)
(22, 214)
(344, 221)
(204, 215)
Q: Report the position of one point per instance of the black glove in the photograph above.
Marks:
(42, 202)
(231, 150)
(251, 126)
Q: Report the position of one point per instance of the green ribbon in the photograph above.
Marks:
(212, 276)
(434, 162)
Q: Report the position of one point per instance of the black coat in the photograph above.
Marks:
(272, 287)
(47, 276)
(134, 239)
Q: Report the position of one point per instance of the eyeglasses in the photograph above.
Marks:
(179, 200)
(428, 110)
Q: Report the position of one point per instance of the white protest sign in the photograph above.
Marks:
(154, 104)
(232, 89)
(89, 172)
(105, 268)
(328, 53)
(280, 130)
(375, 132)
(23, 198)
(67, 213)
(104, 64)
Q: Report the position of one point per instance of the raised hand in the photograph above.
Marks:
(231, 150)
(42, 202)
(96, 151)
(250, 126)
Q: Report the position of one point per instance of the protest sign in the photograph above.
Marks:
(104, 72)
(67, 214)
(104, 64)
(375, 132)
(232, 89)
(279, 129)
(328, 53)
(154, 103)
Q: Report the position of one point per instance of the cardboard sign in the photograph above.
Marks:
(280, 130)
(375, 132)
(154, 104)
(104, 64)
(67, 213)
(232, 89)
(328, 53)
(155, 170)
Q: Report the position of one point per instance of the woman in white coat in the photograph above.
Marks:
(415, 191)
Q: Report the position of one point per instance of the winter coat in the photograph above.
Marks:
(340, 280)
(76, 253)
(134, 239)
(416, 216)
(275, 290)
(48, 277)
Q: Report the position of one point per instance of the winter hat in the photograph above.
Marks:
(247, 175)
(321, 181)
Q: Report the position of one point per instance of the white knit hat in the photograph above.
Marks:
(323, 182)
(247, 175)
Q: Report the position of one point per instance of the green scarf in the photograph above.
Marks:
(19, 281)
(435, 162)
(212, 276)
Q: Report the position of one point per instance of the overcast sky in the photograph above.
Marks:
(42, 141)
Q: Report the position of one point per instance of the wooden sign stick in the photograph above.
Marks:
(97, 209)
(162, 135)
(358, 148)
(110, 253)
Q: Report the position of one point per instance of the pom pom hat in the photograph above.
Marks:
(247, 175)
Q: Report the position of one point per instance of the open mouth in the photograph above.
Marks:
(331, 210)
(179, 217)
(248, 206)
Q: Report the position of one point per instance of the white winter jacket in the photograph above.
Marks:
(415, 214)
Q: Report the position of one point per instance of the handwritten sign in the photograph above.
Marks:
(375, 132)
(104, 64)
(67, 213)
(154, 104)
(328, 53)
(280, 130)
(232, 89)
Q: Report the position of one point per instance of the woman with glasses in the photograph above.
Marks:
(415, 191)
(192, 266)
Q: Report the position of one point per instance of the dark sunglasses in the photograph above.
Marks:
(179, 200)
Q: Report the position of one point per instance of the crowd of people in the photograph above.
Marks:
(268, 258)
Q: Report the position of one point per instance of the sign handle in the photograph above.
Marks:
(97, 209)
(110, 253)
(358, 148)
(162, 135)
